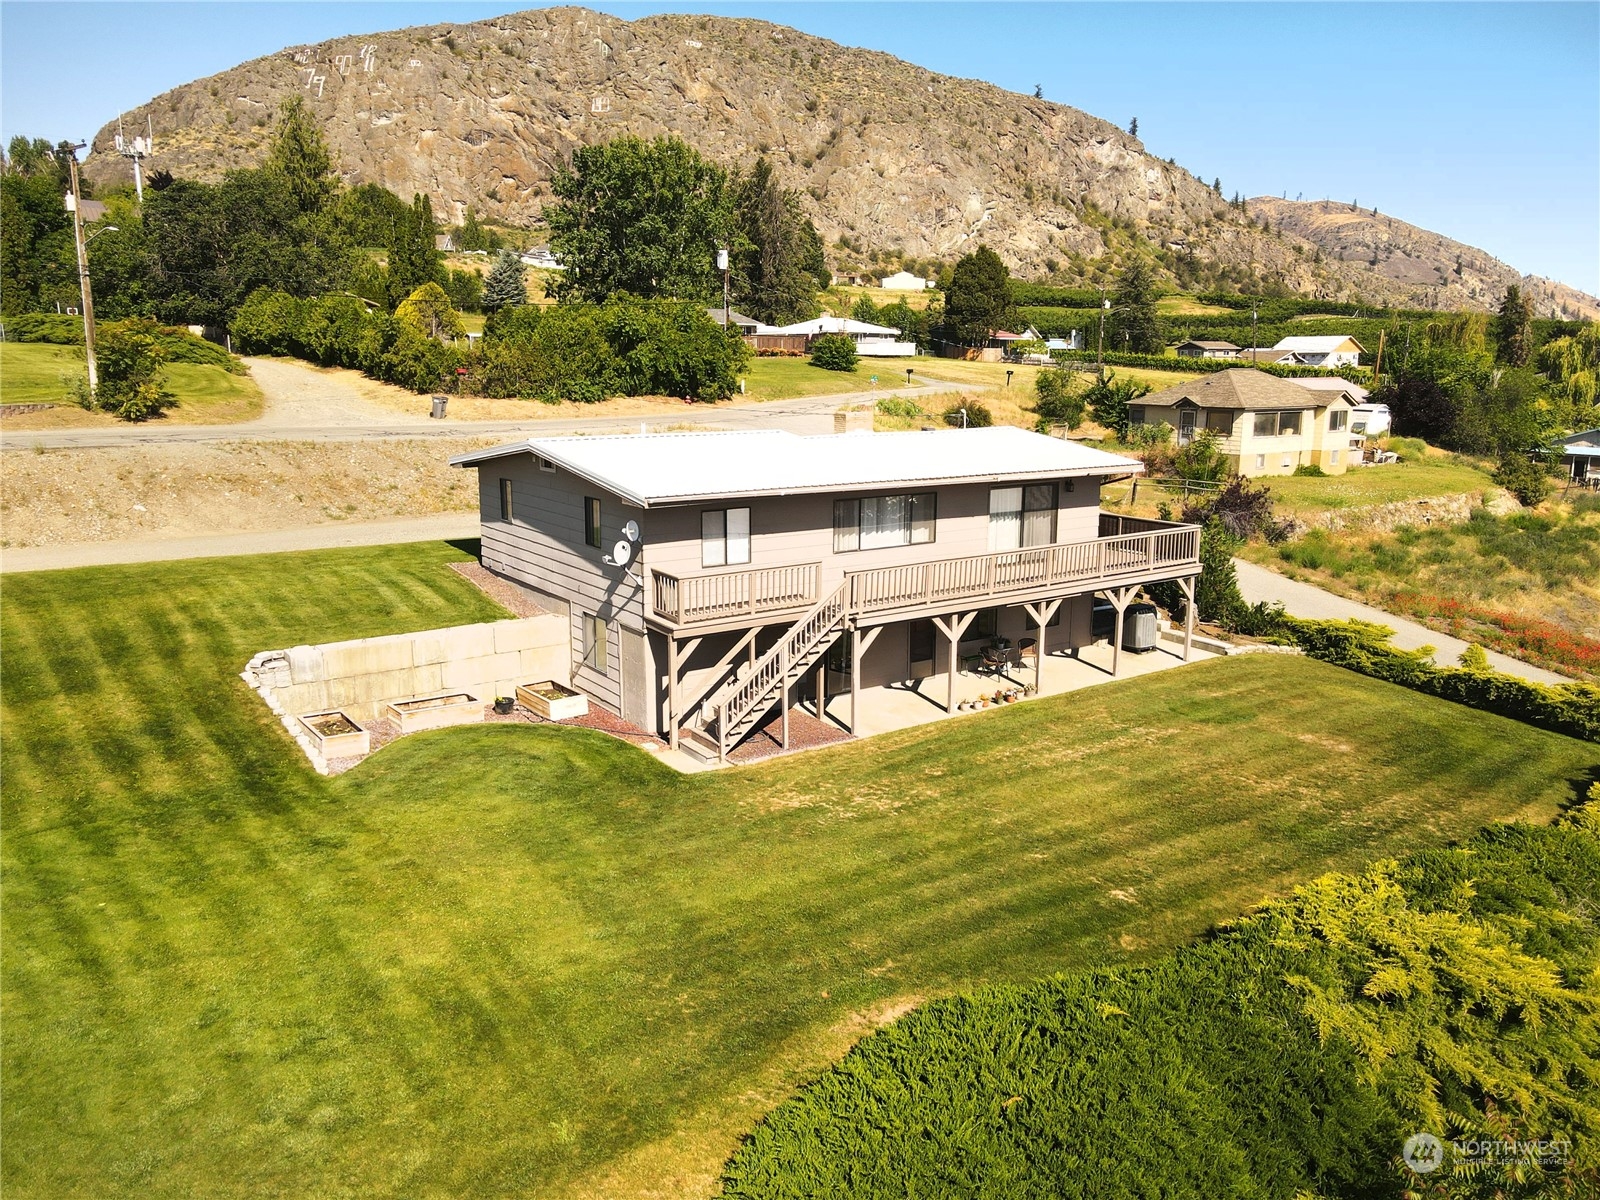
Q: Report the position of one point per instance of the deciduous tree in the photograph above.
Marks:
(639, 217)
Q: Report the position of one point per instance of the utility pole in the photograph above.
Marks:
(76, 208)
(1377, 369)
(1254, 312)
(722, 261)
(1100, 342)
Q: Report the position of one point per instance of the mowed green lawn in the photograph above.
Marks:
(1377, 485)
(790, 378)
(36, 373)
(516, 961)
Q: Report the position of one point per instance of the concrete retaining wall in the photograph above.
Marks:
(359, 676)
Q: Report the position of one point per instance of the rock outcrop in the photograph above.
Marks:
(890, 156)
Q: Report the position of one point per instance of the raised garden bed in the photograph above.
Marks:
(553, 701)
(435, 712)
(336, 735)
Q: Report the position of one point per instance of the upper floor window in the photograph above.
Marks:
(1338, 419)
(1276, 424)
(1022, 516)
(591, 521)
(505, 499)
(873, 522)
(724, 537)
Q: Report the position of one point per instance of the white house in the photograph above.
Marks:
(905, 281)
(1334, 350)
(540, 256)
(872, 341)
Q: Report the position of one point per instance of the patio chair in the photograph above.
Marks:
(1028, 652)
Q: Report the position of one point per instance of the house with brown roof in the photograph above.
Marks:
(1195, 348)
(1265, 425)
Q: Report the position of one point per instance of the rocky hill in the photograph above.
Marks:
(1437, 271)
(891, 157)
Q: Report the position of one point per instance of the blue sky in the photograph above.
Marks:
(1480, 121)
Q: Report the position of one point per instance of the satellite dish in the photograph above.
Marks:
(621, 553)
(631, 531)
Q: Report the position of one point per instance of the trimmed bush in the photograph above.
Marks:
(1290, 1055)
(834, 352)
(177, 343)
(977, 415)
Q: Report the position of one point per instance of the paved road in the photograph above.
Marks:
(1306, 600)
(306, 405)
(316, 537)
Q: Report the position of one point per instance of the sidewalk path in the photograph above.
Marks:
(275, 541)
(1258, 584)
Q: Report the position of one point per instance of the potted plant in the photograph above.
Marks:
(504, 704)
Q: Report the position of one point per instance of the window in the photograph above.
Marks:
(1261, 462)
(1022, 516)
(724, 537)
(1276, 424)
(1333, 458)
(1288, 461)
(985, 626)
(546, 465)
(505, 499)
(1337, 419)
(873, 522)
(1135, 414)
(595, 655)
(591, 521)
(1358, 427)
(1219, 421)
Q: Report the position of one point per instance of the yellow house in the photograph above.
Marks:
(1264, 424)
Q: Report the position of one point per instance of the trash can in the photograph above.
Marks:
(1139, 628)
(439, 403)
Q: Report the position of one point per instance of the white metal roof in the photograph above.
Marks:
(833, 325)
(677, 468)
(1315, 345)
(1332, 383)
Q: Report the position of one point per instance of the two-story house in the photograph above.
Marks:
(1264, 425)
(711, 577)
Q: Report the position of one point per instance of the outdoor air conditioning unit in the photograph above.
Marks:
(1139, 628)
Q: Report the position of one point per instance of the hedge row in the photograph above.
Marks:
(1206, 366)
(1291, 1055)
(58, 329)
(1569, 708)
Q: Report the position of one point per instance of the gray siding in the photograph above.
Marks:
(543, 546)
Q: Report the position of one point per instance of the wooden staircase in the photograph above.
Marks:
(744, 703)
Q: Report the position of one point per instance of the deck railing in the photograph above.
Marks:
(699, 598)
(1130, 549)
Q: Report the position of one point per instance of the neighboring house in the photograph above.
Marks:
(1332, 351)
(748, 326)
(1073, 341)
(905, 281)
(1366, 418)
(444, 242)
(709, 576)
(872, 341)
(1266, 354)
(1265, 425)
(850, 278)
(540, 256)
(1580, 455)
(1199, 349)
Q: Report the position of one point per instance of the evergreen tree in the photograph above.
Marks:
(474, 236)
(1134, 324)
(1513, 329)
(414, 257)
(507, 284)
(777, 259)
(978, 300)
(1133, 127)
(299, 158)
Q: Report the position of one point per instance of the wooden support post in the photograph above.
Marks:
(822, 688)
(1188, 614)
(672, 691)
(860, 643)
(1120, 599)
(953, 629)
(1042, 613)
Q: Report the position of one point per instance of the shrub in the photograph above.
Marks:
(834, 352)
(1108, 399)
(1408, 449)
(1288, 1055)
(1525, 479)
(130, 357)
(1055, 401)
(1310, 471)
(428, 312)
(672, 348)
(269, 323)
(973, 414)
(1244, 510)
(896, 406)
(1201, 459)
